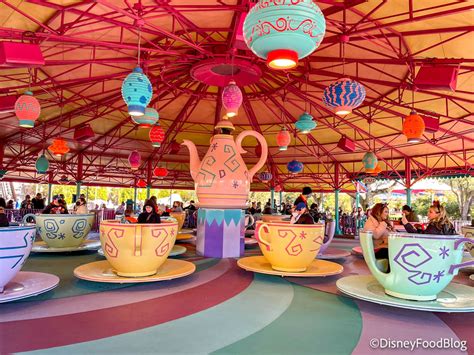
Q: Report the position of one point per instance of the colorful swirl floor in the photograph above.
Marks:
(218, 309)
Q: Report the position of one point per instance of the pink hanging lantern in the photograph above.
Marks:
(27, 110)
(232, 99)
(134, 159)
(283, 139)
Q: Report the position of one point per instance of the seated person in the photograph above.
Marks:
(149, 215)
(439, 222)
(267, 210)
(381, 227)
(409, 214)
(300, 215)
(176, 207)
(3, 218)
(128, 216)
(81, 206)
(56, 206)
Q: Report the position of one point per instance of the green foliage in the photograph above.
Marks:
(422, 204)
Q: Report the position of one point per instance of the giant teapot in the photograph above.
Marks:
(221, 178)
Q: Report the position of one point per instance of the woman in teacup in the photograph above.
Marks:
(149, 214)
(439, 222)
(381, 227)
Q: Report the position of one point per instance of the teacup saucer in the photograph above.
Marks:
(317, 268)
(101, 271)
(28, 284)
(250, 241)
(177, 250)
(42, 247)
(187, 231)
(454, 298)
(184, 237)
(334, 253)
(358, 251)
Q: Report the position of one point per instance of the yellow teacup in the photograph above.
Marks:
(289, 247)
(179, 216)
(136, 250)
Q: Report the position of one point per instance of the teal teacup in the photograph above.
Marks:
(421, 265)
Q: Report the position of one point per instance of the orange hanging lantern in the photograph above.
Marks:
(141, 183)
(413, 127)
(377, 170)
(59, 147)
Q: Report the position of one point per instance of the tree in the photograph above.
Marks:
(463, 188)
(378, 187)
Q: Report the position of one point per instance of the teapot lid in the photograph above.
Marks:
(226, 124)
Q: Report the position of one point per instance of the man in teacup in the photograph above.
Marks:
(305, 195)
(56, 207)
(300, 215)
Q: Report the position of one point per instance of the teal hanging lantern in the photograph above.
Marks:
(150, 118)
(137, 92)
(42, 164)
(305, 123)
(370, 162)
(284, 31)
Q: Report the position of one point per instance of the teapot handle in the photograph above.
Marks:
(263, 143)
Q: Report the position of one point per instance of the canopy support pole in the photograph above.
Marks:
(408, 179)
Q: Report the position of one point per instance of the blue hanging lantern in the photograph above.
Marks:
(295, 166)
(42, 164)
(137, 92)
(343, 96)
(370, 162)
(284, 31)
(150, 118)
(305, 123)
(265, 176)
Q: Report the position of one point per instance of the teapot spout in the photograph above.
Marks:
(195, 162)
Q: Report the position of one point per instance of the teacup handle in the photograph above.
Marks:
(138, 242)
(26, 216)
(467, 263)
(260, 239)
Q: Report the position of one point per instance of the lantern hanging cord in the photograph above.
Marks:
(29, 79)
(139, 43)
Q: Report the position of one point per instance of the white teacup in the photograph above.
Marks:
(15, 247)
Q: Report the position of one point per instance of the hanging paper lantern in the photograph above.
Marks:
(157, 136)
(265, 176)
(305, 123)
(63, 180)
(150, 118)
(137, 92)
(42, 164)
(141, 183)
(160, 172)
(27, 110)
(283, 139)
(295, 166)
(278, 188)
(134, 159)
(343, 96)
(59, 147)
(370, 161)
(232, 99)
(282, 32)
(174, 147)
(377, 170)
(413, 127)
(369, 180)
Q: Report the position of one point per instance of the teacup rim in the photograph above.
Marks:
(65, 215)
(17, 228)
(315, 225)
(114, 222)
(421, 236)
